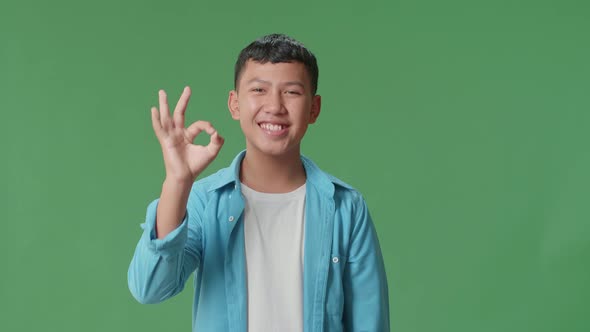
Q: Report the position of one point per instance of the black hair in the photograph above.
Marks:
(278, 48)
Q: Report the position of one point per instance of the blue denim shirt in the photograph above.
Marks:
(344, 281)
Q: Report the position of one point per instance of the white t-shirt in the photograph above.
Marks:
(274, 234)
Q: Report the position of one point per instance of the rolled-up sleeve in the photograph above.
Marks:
(160, 267)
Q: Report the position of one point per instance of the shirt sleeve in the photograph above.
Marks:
(160, 267)
(366, 304)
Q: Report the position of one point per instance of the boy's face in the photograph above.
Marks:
(274, 104)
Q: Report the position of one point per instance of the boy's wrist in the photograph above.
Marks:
(177, 185)
(178, 182)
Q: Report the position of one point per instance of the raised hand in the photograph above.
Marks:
(183, 160)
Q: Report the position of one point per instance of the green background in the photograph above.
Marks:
(465, 124)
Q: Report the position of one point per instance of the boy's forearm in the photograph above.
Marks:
(172, 206)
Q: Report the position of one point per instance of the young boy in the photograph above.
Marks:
(276, 244)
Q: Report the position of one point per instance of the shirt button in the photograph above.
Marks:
(231, 218)
(335, 259)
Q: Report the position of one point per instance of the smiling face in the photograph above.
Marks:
(274, 104)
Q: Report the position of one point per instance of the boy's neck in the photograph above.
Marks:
(272, 174)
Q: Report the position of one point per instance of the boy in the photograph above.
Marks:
(276, 244)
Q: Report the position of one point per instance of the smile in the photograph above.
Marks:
(273, 129)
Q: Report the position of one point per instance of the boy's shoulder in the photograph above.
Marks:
(316, 172)
(344, 191)
(341, 190)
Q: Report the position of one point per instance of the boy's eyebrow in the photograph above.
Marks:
(295, 83)
(258, 80)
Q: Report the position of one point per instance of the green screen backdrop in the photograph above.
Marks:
(465, 124)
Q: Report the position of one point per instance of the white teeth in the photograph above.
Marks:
(271, 127)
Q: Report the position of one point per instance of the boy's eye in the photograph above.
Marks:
(293, 92)
(257, 90)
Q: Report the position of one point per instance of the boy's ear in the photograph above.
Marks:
(316, 106)
(232, 104)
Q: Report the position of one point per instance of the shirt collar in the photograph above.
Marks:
(322, 181)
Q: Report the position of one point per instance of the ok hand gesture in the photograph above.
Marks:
(183, 160)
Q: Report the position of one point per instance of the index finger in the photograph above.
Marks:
(197, 127)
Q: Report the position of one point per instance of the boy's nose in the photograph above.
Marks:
(274, 103)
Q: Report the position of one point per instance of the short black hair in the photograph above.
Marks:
(278, 48)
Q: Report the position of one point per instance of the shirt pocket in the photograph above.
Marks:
(335, 287)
